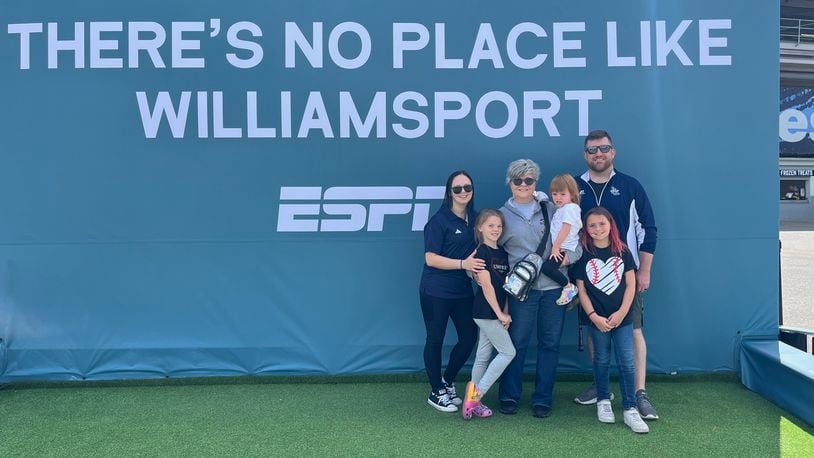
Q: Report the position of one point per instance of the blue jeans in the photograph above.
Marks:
(622, 341)
(539, 310)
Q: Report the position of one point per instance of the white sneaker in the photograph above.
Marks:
(604, 411)
(634, 420)
(453, 395)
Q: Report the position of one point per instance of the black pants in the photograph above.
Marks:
(437, 312)
(551, 269)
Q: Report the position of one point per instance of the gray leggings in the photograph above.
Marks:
(492, 336)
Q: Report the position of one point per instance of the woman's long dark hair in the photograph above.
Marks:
(448, 191)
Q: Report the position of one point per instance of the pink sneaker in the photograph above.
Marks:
(471, 400)
(482, 411)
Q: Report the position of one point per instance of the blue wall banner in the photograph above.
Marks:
(209, 188)
(796, 121)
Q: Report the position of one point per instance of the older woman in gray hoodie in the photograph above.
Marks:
(522, 234)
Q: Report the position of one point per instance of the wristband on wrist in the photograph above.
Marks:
(461, 265)
(592, 312)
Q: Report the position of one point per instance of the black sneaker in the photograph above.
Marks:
(440, 400)
(453, 396)
(508, 407)
(646, 409)
(588, 397)
(541, 411)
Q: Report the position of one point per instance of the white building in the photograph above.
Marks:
(796, 139)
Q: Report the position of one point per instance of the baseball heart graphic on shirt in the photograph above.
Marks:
(606, 276)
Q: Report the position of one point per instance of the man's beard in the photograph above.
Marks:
(606, 167)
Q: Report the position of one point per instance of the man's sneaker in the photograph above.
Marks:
(440, 400)
(646, 409)
(634, 420)
(588, 396)
(453, 395)
(604, 411)
(569, 292)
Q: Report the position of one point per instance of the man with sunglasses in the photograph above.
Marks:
(624, 197)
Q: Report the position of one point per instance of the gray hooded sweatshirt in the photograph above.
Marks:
(522, 236)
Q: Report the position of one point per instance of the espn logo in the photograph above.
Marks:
(352, 208)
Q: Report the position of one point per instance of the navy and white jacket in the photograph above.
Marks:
(625, 199)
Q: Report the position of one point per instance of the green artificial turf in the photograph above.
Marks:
(256, 416)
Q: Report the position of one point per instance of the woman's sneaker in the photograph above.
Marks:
(440, 400)
(569, 292)
(453, 395)
(634, 420)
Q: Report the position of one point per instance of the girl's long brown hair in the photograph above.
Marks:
(616, 245)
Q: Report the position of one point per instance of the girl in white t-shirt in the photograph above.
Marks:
(565, 226)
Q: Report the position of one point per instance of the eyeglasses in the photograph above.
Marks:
(460, 189)
(602, 148)
(526, 181)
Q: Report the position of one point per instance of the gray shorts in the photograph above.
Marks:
(637, 310)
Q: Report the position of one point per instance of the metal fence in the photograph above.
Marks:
(797, 30)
